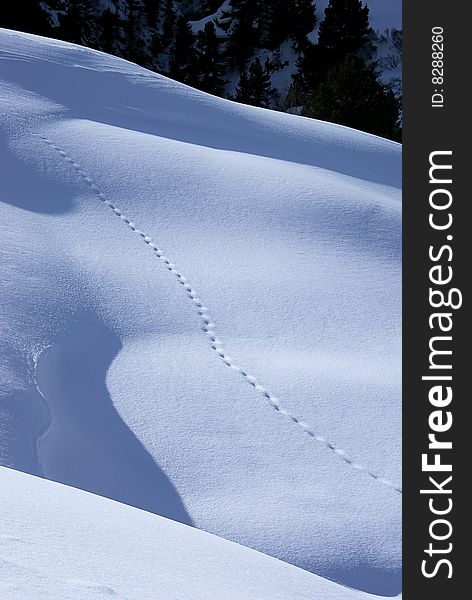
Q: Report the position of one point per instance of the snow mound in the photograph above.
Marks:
(58, 543)
(201, 309)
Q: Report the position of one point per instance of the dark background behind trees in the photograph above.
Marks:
(237, 52)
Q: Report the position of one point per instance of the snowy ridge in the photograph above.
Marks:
(289, 227)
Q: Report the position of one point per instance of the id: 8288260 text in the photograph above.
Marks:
(437, 67)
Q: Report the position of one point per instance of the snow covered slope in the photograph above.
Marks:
(201, 309)
(57, 543)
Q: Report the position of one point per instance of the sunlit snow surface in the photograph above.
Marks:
(59, 543)
(200, 315)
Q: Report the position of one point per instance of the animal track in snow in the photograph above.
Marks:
(208, 327)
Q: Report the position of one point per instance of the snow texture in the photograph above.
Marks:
(58, 543)
(201, 318)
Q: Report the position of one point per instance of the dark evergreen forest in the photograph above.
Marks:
(267, 53)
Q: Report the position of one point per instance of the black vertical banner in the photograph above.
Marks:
(436, 319)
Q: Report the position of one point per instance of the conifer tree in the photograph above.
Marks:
(312, 66)
(109, 25)
(353, 96)
(345, 28)
(254, 86)
(76, 24)
(275, 22)
(209, 62)
(280, 21)
(168, 19)
(135, 50)
(152, 10)
(243, 32)
(303, 22)
(276, 61)
(183, 56)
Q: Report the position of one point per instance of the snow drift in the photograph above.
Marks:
(200, 313)
(58, 543)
